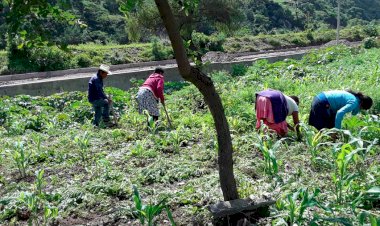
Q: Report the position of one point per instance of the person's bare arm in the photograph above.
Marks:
(296, 122)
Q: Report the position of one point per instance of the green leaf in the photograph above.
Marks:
(374, 190)
(373, 220)
(170, 216)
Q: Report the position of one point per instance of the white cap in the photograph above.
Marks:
(105, 68)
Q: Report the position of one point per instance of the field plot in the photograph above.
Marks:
(55, 168)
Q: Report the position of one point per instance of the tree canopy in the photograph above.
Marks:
(105, 23)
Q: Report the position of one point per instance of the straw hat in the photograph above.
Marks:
(105, 68)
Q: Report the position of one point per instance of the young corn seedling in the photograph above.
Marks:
(21, 157)
(297, 203)
(147, 213)
(365, 217)
(312, 141)
(341, 177)
(175, 139)
(83, 141)
(268, 148)
(37, 201)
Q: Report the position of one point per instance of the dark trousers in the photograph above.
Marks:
(102, 109)
(321, 116)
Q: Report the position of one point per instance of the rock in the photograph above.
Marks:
(232, 207)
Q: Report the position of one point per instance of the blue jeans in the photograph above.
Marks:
(98, 106)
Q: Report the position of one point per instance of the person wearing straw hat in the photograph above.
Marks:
(151, 92)
(96, 96)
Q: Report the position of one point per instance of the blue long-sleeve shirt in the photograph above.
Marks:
(342, 102)
(95, 88)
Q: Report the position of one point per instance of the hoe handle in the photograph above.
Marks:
(167, 116)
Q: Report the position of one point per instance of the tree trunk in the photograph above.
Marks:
(207, 88)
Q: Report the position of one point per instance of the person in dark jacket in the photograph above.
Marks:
(97, 97)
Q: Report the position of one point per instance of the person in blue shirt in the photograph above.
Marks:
(96, 96)
(328, 108)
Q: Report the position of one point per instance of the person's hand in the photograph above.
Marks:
(334, 136)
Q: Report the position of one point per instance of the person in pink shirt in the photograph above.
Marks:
(151, 92)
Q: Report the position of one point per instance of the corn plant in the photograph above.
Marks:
(297, 203)
(138, 148)
(83, 141)
(268, 148)
(106, 167)
(21, 157)
(313, 142)
(373, 221)
(341, 177)
(36, 201)
(175, 139)
(147, 213)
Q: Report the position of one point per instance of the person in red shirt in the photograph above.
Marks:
(151, 92)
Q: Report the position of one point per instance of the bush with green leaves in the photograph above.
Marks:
(83, 60)
(370, 42)
(160, 51)
(239, 70)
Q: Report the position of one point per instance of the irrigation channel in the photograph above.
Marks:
(47, 83)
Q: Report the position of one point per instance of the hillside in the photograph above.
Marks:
(106, 24)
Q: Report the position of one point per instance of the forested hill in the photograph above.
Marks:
(107, 24)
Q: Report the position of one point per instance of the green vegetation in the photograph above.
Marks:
(107, 25)
(88, 174)
(237, 26)
(91, 54)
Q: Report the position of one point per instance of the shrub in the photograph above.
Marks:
(50, 59)
(300, 41)
(159, 50)
(371, 30)
(310, 36)
(117, 57)
(273, 42)
(369, 43)
(204, 43)
(83, 60)
(239, 70)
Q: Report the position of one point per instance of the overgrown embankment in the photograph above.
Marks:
(86, 55)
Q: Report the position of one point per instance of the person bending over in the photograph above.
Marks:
(328, 108)
(272, 108)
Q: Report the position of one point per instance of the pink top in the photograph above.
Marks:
(264, 112)
(155, 83)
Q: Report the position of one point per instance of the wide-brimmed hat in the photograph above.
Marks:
(105, 68)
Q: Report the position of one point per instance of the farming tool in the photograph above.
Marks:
(167, 116)
(115, 118)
